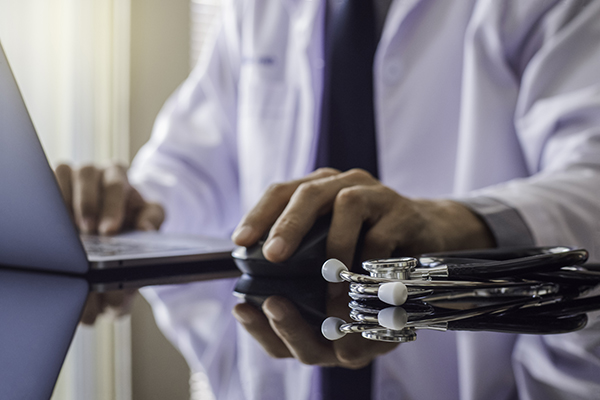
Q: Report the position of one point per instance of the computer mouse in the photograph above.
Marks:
(305, 262)
(298, 278)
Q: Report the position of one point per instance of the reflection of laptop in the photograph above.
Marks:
(36, 231)
(39, 314)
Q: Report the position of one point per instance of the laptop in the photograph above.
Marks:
(47, 269)
(37, 233)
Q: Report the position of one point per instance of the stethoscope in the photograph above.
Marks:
(534, 291)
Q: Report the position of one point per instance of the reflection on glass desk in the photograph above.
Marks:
(39, 314)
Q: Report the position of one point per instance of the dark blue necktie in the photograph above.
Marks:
(347, 137)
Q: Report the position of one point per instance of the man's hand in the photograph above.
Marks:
(116, 303)
(393, 224)
(102, 200)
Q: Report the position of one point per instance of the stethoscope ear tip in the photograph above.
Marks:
(393, 293)
(394, 318)
(331, 270)
(330, 328)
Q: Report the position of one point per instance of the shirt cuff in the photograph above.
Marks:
(505, 223)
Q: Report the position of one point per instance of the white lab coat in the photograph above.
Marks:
(473, 98)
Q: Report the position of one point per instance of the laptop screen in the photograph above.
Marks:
(35, 228)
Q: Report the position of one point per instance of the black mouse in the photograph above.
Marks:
(298, 278)
(305, 262)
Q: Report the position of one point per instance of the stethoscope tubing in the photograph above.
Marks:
(563, 308)
(518, 266)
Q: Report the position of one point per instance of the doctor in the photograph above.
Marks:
(487, 121)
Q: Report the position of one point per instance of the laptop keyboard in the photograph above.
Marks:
(108, 246)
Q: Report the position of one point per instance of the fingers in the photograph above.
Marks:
(299, 338)
(94, 306)
(389, 218)
(349, 213)
(142, 215)
(255, 322)
(310, 200)
(305, 343)
(258, 221)
(103, 201)
(283, 332)
(86, 198)
(352, 351)
(119, 302)
(64, 178)
(115, 191)
(150, 218)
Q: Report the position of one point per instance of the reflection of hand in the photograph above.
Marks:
(102, 200)
(117, 303)
(356, 199)
(283, 333)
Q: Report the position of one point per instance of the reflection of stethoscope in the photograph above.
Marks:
(532, 291)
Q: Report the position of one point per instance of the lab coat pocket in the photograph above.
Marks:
(267, 120)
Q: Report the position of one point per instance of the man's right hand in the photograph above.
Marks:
(102, 200)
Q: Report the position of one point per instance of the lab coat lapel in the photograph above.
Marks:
(307, 41)
(398, 13)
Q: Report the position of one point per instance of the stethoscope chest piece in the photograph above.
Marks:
(392, 268)
(387, 335)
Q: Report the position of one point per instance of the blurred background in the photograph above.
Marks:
(94, 74)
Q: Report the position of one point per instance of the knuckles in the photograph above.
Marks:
(354, 196)
(326, 171)
(360, 175)
(308, 190)
(277, 189)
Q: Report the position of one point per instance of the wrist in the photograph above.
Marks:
(456, 226)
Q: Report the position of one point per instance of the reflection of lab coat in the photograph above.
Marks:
(493, 98)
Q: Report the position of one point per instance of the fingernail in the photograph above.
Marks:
(107, 226)
(242, 317)
(242, 234)
(275, 247)
(274, 310)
